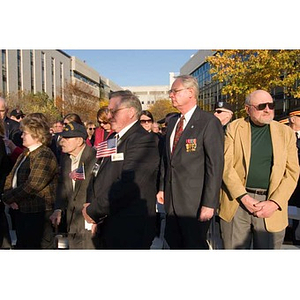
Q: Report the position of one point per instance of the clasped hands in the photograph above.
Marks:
(259, 209)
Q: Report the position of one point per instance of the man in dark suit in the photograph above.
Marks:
(122, 192)
(191, 180)
(72, 187)
(12, 127)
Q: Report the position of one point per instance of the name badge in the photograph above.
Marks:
(117, 157)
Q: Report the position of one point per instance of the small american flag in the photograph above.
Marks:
(78, 174)
(106, 148)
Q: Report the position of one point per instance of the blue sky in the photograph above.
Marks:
(135, 67)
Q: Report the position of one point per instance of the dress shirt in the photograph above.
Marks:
(75, 162)
(187, 118)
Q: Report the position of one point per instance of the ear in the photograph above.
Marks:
(247, 109)
(132, 112)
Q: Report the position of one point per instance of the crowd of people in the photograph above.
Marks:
(124, 182)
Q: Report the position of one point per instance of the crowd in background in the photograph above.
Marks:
(126, 180)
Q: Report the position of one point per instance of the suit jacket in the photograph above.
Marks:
(69, 200)
(192, 175)
(13, 131)
(283, 178)
(125, 190)
(36, 181)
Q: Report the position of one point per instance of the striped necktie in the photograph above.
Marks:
(178, 132)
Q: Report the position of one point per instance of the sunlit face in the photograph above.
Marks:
(105, 125)
(146, 122)
(28, 139)
(70, 145)
(3, 110)
(119, 116)
(264, 116)
(224, 115)
(58, 127)
(180, 95)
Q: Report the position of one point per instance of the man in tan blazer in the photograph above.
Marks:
(260, 174)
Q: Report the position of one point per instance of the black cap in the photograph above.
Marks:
(223, 104)
(74, 129)
(294, 112)
(17, 113)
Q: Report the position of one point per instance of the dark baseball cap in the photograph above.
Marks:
(224, 105)
(74, 129)
(17, 113)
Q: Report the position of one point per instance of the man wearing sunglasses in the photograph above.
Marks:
(260, 174)
(223, 112)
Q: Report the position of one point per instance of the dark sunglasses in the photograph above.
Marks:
(219, 111)
(262, 106)
(92, 128)
(145, 121)
(102, 122)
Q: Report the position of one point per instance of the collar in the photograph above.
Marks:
(34, 147)
(124, 130)
(189, 114)
(76, 158)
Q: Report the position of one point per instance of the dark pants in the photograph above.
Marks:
(186, 232)
(29, 230)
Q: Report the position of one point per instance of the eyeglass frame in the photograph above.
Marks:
(176, 91)
(113, 112)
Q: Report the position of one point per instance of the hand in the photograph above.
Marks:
(250, 204)
(14, 205)
(206, 213)
(55, 217)
(266, 209)
(85, 215)
(160, 197)
(94, 229)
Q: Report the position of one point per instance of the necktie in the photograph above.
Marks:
(178, 132)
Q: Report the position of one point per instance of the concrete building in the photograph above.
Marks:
(148, 95)
(34, 71)
(209, 91)
(48, 71)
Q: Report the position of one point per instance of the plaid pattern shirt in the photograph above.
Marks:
(36, 181)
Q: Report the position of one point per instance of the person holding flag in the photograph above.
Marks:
(123, 188)
(76, 168)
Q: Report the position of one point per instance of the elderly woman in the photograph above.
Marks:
(33, 183)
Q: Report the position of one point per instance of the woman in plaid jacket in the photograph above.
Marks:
(33, 183)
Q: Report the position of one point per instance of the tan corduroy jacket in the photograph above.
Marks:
(284, 174)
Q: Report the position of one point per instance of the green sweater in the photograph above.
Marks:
(261, 160)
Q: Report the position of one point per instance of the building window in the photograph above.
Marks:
(61, 78)
(53, 76)
(19, 63)
(4, 77)
(31, 71)
(43, 72)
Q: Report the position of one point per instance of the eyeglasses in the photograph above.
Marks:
(262, 106)
(176, 91)
(92, 128)
(114, 111)
(102, 122)
(219, 111)
(65, 124)
(145, 121)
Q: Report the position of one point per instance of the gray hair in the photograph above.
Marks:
(129, 100)
(189, 81)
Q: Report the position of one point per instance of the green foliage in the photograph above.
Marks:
(243, 71)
